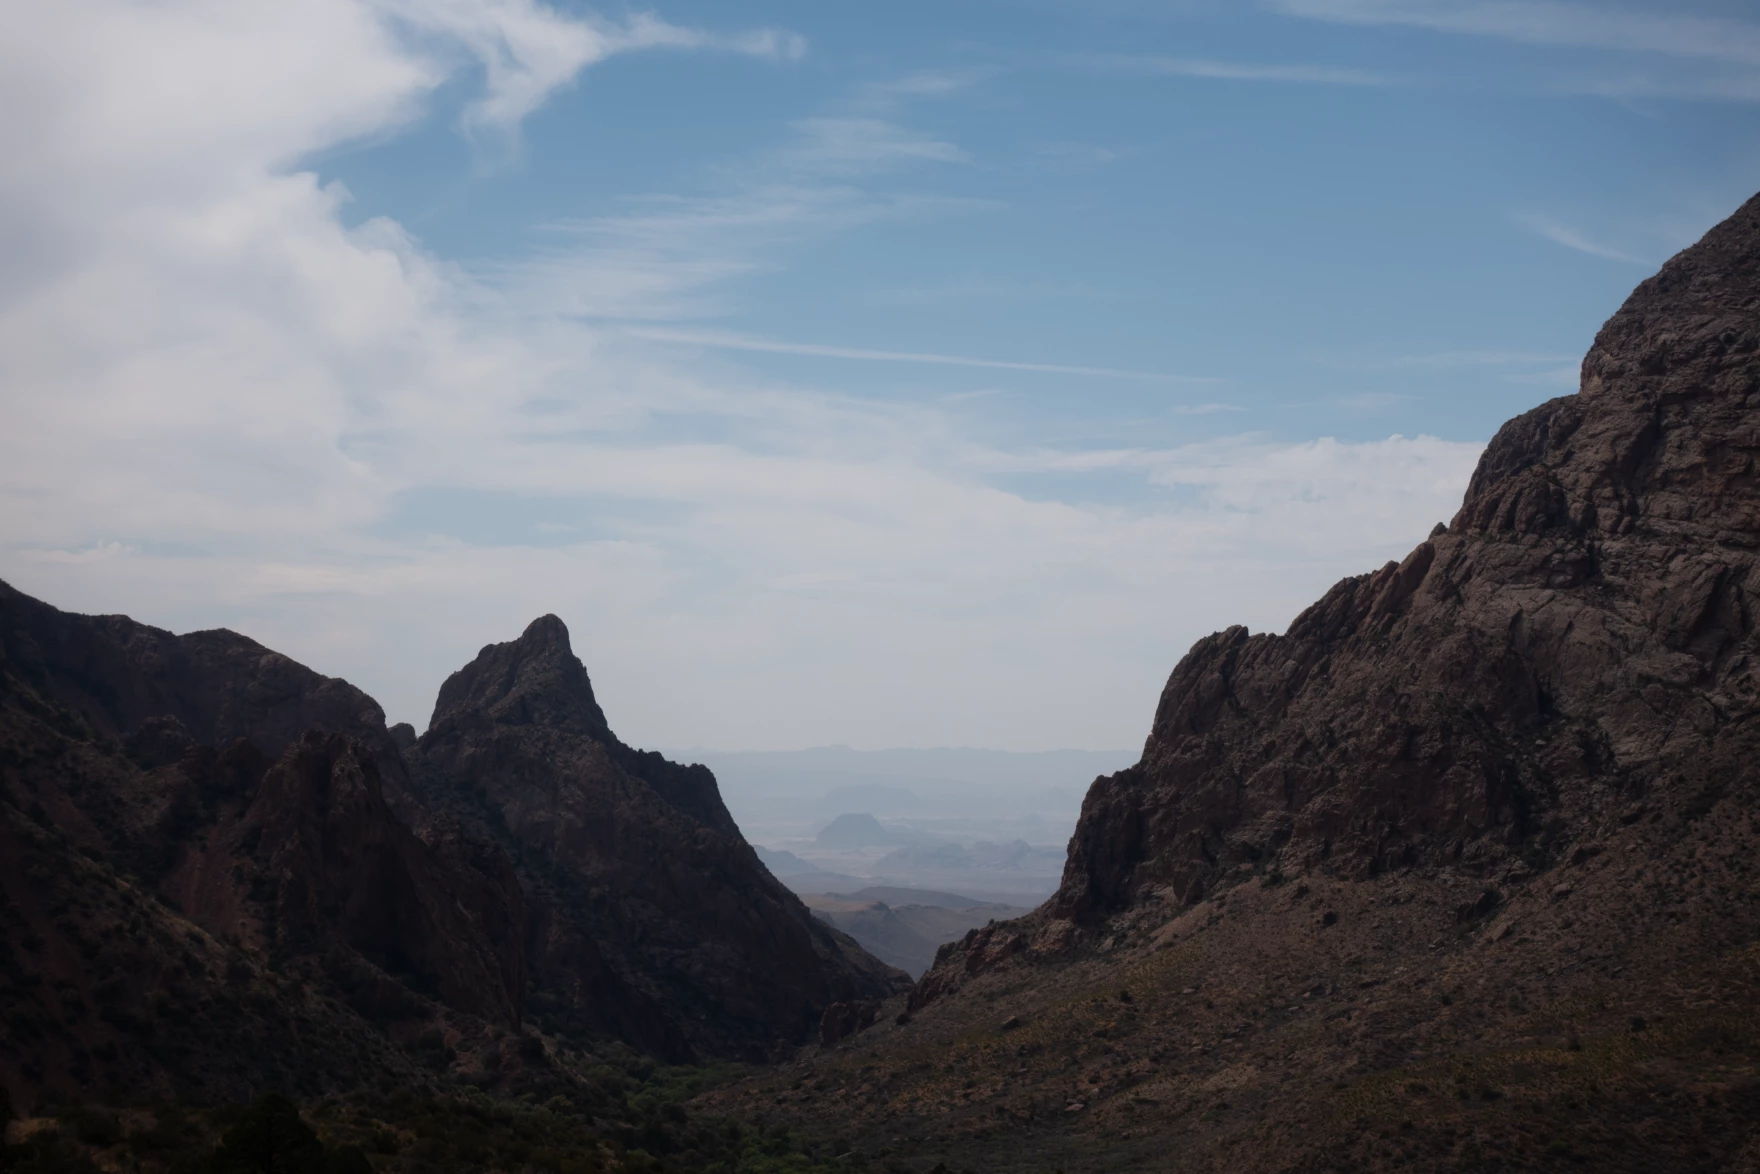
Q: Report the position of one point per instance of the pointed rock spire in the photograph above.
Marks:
(534, 680)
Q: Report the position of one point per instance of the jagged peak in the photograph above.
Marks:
(533, 680)
(546, 631)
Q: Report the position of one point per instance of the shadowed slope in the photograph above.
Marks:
(650, 915)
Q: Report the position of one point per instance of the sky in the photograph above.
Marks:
(882, 375)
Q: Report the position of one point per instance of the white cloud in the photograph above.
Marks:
(860, 145)
(528, 50)
(225, 406)
(1570, 238)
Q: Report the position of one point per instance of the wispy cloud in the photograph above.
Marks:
(979, 289)
(664, 258)
(1570, 238)
(739, 342)
(1668, 31)
(887, 95)
(862, 145)
(1439, 360)
(1706, 56)
(1239, 71)
(527, 50)
(1206, 409)
(1076, 156)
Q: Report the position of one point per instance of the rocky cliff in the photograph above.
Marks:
(1579, 636)
(651, 916)
(1457, 873)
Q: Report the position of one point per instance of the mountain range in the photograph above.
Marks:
(1458, 873)
(221, 871)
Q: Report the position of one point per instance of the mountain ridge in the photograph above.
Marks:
(252, 841)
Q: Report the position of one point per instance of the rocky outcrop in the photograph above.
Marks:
(1581, 634)
(651, 914)
(334, 867)
(133, 908)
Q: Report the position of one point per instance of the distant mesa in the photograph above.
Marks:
(858, 831)
(898, 895)
(902, 930)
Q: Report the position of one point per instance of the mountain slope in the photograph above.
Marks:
(651, 917)
(122, 970)
(1457, 873)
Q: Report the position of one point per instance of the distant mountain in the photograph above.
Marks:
(858, 831)
(1016, 857)
(905, 935)
(959, 794)
(783, 865)
(895, 895)
(904, 773)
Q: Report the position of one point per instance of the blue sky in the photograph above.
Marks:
(886, 375)
(1322, 226)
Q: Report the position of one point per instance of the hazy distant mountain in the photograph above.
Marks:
(794, 792)
(792, 802)
(905, 927)
(857, 831)
(784, 864)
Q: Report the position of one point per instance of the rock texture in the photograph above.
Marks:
(117, 675)
(652, 918)
(215, 875)
(1456, 873)
(166, 903)
(1580, 635)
